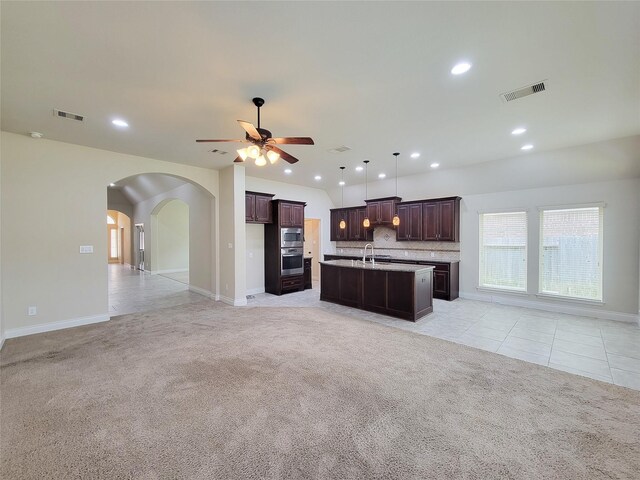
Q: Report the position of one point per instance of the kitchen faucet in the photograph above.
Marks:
(364, 256)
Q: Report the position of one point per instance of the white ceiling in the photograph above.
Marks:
(371, 76)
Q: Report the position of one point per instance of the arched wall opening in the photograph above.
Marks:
(146, 195)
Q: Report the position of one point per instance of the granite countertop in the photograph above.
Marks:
(389, 258)
(390, 267)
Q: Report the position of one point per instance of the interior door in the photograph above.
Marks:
(113, 247)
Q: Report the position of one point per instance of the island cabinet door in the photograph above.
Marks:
(329, 283)
(374, 290)
(400, 292)
(350, 285)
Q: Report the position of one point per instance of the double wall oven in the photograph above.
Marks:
(292, 253)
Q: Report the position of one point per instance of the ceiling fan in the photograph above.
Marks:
(263, 144)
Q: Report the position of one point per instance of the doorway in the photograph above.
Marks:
(118, 237)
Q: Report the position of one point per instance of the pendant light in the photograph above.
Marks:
(396, 218)
(366, 223)
(343, 224)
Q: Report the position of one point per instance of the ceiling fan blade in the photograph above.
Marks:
(250, 129)
(294, 140)
(238, 160)
(224, 140)
(284, 155)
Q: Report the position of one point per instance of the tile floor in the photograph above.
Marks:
(601, 349)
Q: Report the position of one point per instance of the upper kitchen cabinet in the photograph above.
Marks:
(339, 234)
(381, 210)
(410, 227)
(441, 220)
(258, 207)
(290, 213)
(356, 230)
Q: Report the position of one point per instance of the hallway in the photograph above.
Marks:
(132, 291)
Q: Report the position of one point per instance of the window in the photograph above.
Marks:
(503, 250)
(571, 253)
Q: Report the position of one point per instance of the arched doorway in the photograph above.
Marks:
(176, 262)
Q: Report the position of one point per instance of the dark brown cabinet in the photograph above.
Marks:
(307, 273)
(286, 213)
(404, 295)
(291, 214)
(258, 207)
(381, 210)
(355, 225)
(339, 234)
(355, 231)
(410, 227)
(446, 275)
(441, 220)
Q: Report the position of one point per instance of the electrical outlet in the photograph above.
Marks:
(32, 311)
(406, 254)
(250, 254)
(226, 287)
(433, 254)
(230, 245)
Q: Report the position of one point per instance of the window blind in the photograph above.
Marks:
(571, 253)
(503, 250)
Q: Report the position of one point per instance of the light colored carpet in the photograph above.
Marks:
(211, 392)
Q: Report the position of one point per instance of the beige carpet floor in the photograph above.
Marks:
(211, 392)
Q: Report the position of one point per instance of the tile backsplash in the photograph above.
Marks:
(385, 243)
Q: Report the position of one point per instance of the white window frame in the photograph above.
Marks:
(498, 288)
(601, 206)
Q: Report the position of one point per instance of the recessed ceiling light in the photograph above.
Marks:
(112, 184)
(359, 168)
(518, 131)
(528, 146)
(382, 175)
(287, 171)
(435, 165)
(318, 177)
(341, 183)
(119, 123)
(415, 155)
(460, 68)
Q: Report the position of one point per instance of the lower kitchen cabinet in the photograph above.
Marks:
(446, 275)
(307, 273)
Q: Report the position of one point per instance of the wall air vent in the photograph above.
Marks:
(340, 149)
(538, 87)
(219, 152)
(70, 116)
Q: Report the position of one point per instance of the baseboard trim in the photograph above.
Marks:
(255, 291)
(237, 302)
(50, 327)
(1, 342)
(554, 307)
(202, 291)
(171, 270)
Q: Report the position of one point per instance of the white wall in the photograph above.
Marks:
(318, 206)
(232, 236)
(53, 199)
(621, 239)
(200, 221)
(173, 237)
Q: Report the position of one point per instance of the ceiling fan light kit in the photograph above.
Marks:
(263, 144)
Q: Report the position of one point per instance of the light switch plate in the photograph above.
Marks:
(86, 248)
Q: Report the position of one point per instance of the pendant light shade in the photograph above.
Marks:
(396, 218)
(343, 224)
(366, 223)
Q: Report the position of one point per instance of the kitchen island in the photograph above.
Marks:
(402, 291)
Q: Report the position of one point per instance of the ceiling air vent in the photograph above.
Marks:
(525, 91)
(70, 116)
(341, 149)
(219, 152)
